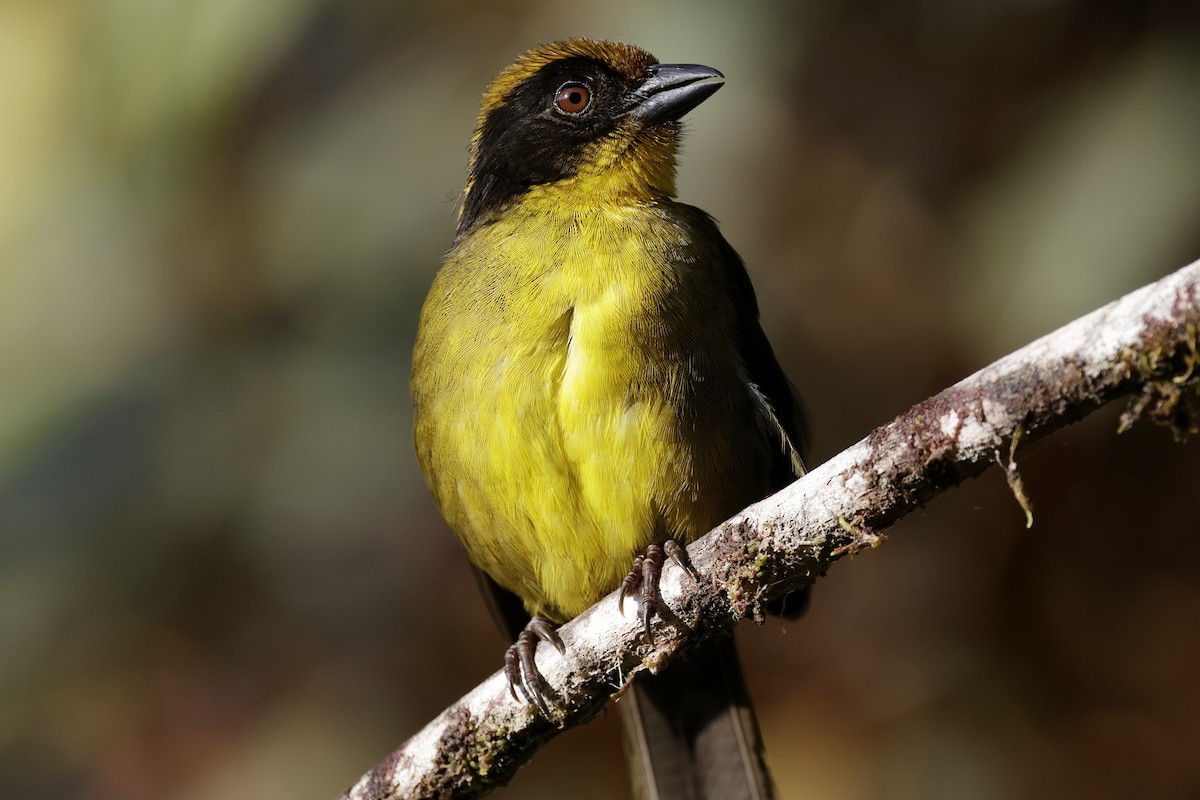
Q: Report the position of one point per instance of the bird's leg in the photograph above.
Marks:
(520, 668)
(644, 577)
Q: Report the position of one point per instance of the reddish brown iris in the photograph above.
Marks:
(572, 98)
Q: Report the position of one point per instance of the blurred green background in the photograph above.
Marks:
(221, 575)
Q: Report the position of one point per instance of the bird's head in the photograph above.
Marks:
(600, 119)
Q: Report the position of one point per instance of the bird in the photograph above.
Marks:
(593, 389)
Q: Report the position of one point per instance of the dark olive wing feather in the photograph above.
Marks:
(762, 367)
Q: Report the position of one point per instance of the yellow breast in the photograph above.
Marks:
(578, 396)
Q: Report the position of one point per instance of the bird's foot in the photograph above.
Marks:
(520, 668)
(644, 577)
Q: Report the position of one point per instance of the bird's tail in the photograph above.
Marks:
(691, 733)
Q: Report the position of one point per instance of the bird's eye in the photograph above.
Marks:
(573, 99)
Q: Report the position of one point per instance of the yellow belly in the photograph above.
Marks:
(578, 396)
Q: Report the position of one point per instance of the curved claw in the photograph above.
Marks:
(520, 667)
(644, 577)
(544, 630)
(679, 554)
(512, 671)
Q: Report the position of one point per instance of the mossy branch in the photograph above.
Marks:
(1144, 345)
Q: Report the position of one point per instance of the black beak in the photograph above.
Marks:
(672, 90)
